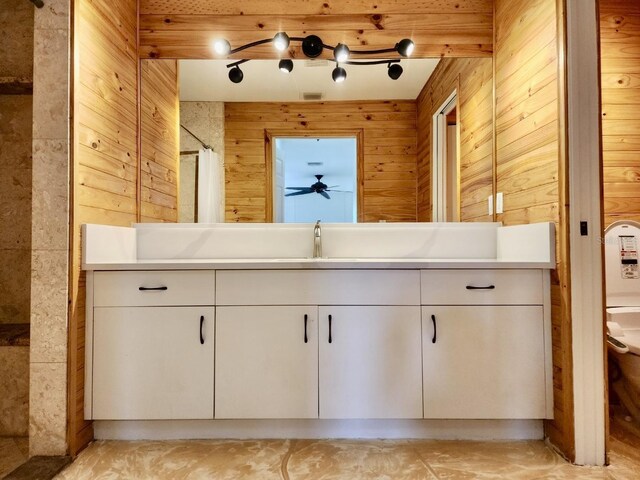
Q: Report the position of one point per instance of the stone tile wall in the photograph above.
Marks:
(50, 230)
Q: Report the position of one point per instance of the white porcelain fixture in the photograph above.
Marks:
(623, 309)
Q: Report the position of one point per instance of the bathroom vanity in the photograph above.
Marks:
(398, 323)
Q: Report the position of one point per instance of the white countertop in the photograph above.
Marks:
(311, 263)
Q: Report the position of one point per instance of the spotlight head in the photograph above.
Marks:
(339, 75)
(221, 47)
(405, 47)
(285, 65)
(312, 46)
(394, 70)
(236, 75)
(281, 41)
(341, 53)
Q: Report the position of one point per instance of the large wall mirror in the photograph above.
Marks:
(297, 146)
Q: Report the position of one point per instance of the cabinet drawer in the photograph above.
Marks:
(482, 287)
(318, 287)
(154, 288)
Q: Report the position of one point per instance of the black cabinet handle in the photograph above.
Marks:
(488, 287)
(146, 289)
(306, 339)
(201, 324)
(330, 339)
(433, 320)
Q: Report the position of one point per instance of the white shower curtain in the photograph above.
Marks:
(210, 187)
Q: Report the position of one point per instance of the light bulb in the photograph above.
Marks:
(281, 41)
(221, 47)
(341, 53)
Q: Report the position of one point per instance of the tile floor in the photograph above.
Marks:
(333, 459)
(14, 451)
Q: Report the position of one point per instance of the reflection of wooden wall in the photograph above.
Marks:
(106, 169)
(160, 143)
(389, 129)
(473, 78)
(186, 29)
(620, 57)
(530, 162)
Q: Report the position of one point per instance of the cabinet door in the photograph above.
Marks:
(371, 365)
(486, 362)
(264, 367)
(153, 363)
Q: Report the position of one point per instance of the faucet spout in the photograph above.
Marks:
(317, 240)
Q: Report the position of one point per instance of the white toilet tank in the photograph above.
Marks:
(622, 268)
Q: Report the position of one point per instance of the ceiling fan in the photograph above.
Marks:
(319, 187)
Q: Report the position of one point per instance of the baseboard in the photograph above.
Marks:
(365, 429)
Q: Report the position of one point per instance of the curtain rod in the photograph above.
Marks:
(204, 145)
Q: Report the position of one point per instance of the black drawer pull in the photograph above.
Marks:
(330, 339)
(157, 289)
(306, 339)
(201, 324)
(488, 287)
(433, 320)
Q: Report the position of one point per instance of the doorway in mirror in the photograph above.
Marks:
(315, 178)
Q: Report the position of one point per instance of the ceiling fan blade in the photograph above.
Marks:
(302, 192)
(342, 191)
(325, 195)
(298, 188)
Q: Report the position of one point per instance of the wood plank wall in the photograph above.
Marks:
(620, 68)
(160, 140)
(473, 79)
(530, 161)
(389, 130)
(186, 29)
(106, 165)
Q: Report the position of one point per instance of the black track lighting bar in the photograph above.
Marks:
(239, 62)
(365, 62)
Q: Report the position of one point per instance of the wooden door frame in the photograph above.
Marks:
(270, 134)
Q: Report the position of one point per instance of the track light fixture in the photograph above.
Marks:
(339, 74)
(341, 53)
(405, 47)
(312, 47)
(235, 74)
(285, 65)
(281, 41)
(394, 70)
(222, 47)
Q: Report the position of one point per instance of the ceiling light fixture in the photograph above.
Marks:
(285, 65)
(221, 47)
(341, 53)
(394, 70)
(339, 74)
(312, 47)
(281, 41)
(405, 47)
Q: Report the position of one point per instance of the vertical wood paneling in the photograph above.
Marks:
(389, 153)
(473, 78)
(530, 161)
(106, 160)
(620, 63)
(160, 145)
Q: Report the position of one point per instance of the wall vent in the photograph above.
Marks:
(316, 63)
(312, 96)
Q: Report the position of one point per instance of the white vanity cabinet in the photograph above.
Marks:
(484, 344)
(150, 345)
(266, 362)
(370, 369)
(153, 363)
(370, 362)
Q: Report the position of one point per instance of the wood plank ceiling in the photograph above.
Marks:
(187, 28)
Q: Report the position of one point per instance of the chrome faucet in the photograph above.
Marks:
(317, 241)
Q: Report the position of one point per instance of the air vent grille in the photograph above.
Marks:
(316, 63)
(312, 96)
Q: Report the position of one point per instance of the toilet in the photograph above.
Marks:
(622, 240)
